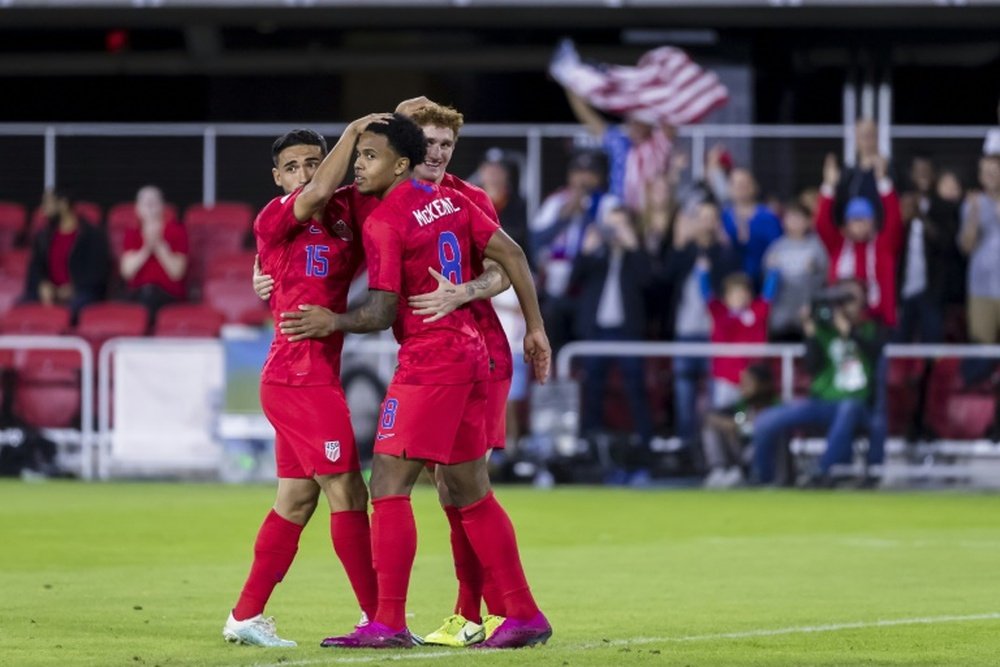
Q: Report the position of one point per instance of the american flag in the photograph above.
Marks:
(664, 87)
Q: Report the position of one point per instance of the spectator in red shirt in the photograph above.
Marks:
(737, 317)
(70, 259)
(155, 259)
(859, 249)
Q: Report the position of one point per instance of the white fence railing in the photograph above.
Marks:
(532, 134)
(94, 450)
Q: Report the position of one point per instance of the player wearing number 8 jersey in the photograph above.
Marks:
(313, 259)
(433, 409)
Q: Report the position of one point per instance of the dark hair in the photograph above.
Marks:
(301, 137)
(764, 377)
(405, 137)
(737, 279)
(797, 207)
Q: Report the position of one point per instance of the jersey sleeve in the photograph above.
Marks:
(384, 254)
(277, 220)
(481, 226)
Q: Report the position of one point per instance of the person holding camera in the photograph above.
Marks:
(609, 274)
(843, 347)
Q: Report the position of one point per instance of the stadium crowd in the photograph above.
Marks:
(877, 252)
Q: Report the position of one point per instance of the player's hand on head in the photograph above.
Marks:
(308, 322)
(263, 284)
(412, 105)
(446, 298)
(538, 353)
(359, 125)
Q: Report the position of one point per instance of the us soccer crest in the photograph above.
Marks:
(343, 231)
(333, 450)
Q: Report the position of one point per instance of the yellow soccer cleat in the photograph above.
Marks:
(456, 632)
(491, 623)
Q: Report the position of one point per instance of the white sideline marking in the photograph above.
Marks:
(746, 634)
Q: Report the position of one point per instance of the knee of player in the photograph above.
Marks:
(296, 509)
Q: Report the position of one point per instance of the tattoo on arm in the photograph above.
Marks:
(376, 313)
(491, 282)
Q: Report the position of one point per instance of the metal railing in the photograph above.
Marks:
(532, 134)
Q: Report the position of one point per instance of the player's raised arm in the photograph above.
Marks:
(448, 296)
(503, 250)
(331, 172)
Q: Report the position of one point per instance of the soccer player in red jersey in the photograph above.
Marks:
(313, 259)
(434, 408)
(441, 126)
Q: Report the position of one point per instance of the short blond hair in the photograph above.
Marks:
(440, 116)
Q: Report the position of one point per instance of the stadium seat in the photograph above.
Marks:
(227, 214)
(102, 321)
(85, 210)
(13, 269)
(214, 233)
(122, 216)
(231, 266)
(47, 392)
(188, 319)
(954, 410)
(13, 218)
(34, 318)
(235, 299)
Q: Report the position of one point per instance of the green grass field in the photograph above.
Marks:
(144, 574)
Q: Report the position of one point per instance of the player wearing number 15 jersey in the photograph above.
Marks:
(313, 260)
(433, 409)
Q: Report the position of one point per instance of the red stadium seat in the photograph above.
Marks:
(47, 387)
(227, 214)
(13, 218)
(101, 321)
(953, 410)
(231, 266)
(34, 318)
(214, 233)
(188, 319)
(13, 269)
(122, 216)
(235, 299)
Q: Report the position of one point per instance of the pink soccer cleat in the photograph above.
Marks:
(515, 633)
(372, 635)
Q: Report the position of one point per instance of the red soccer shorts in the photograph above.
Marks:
(313, 433)
(496, 413)
(436, 423)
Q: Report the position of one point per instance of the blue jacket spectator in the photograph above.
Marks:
(751, 226)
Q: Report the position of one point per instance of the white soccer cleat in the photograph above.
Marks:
(256, 631)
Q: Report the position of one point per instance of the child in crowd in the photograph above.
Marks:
(798, 255)
(728, 430)
(737, 317)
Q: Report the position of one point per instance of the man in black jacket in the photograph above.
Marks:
(610, 273)
(70, 259)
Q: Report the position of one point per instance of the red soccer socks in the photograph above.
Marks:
(394, 546)
(352, 542)
(273, 553)
(492, 536)
(468, 571)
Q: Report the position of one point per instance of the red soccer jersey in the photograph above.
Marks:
(746, 326)
(482, 309)
(312, 263)
(152, 272)
(420, 225)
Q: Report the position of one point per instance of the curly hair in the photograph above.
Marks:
(440, 116)
(405, 137)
